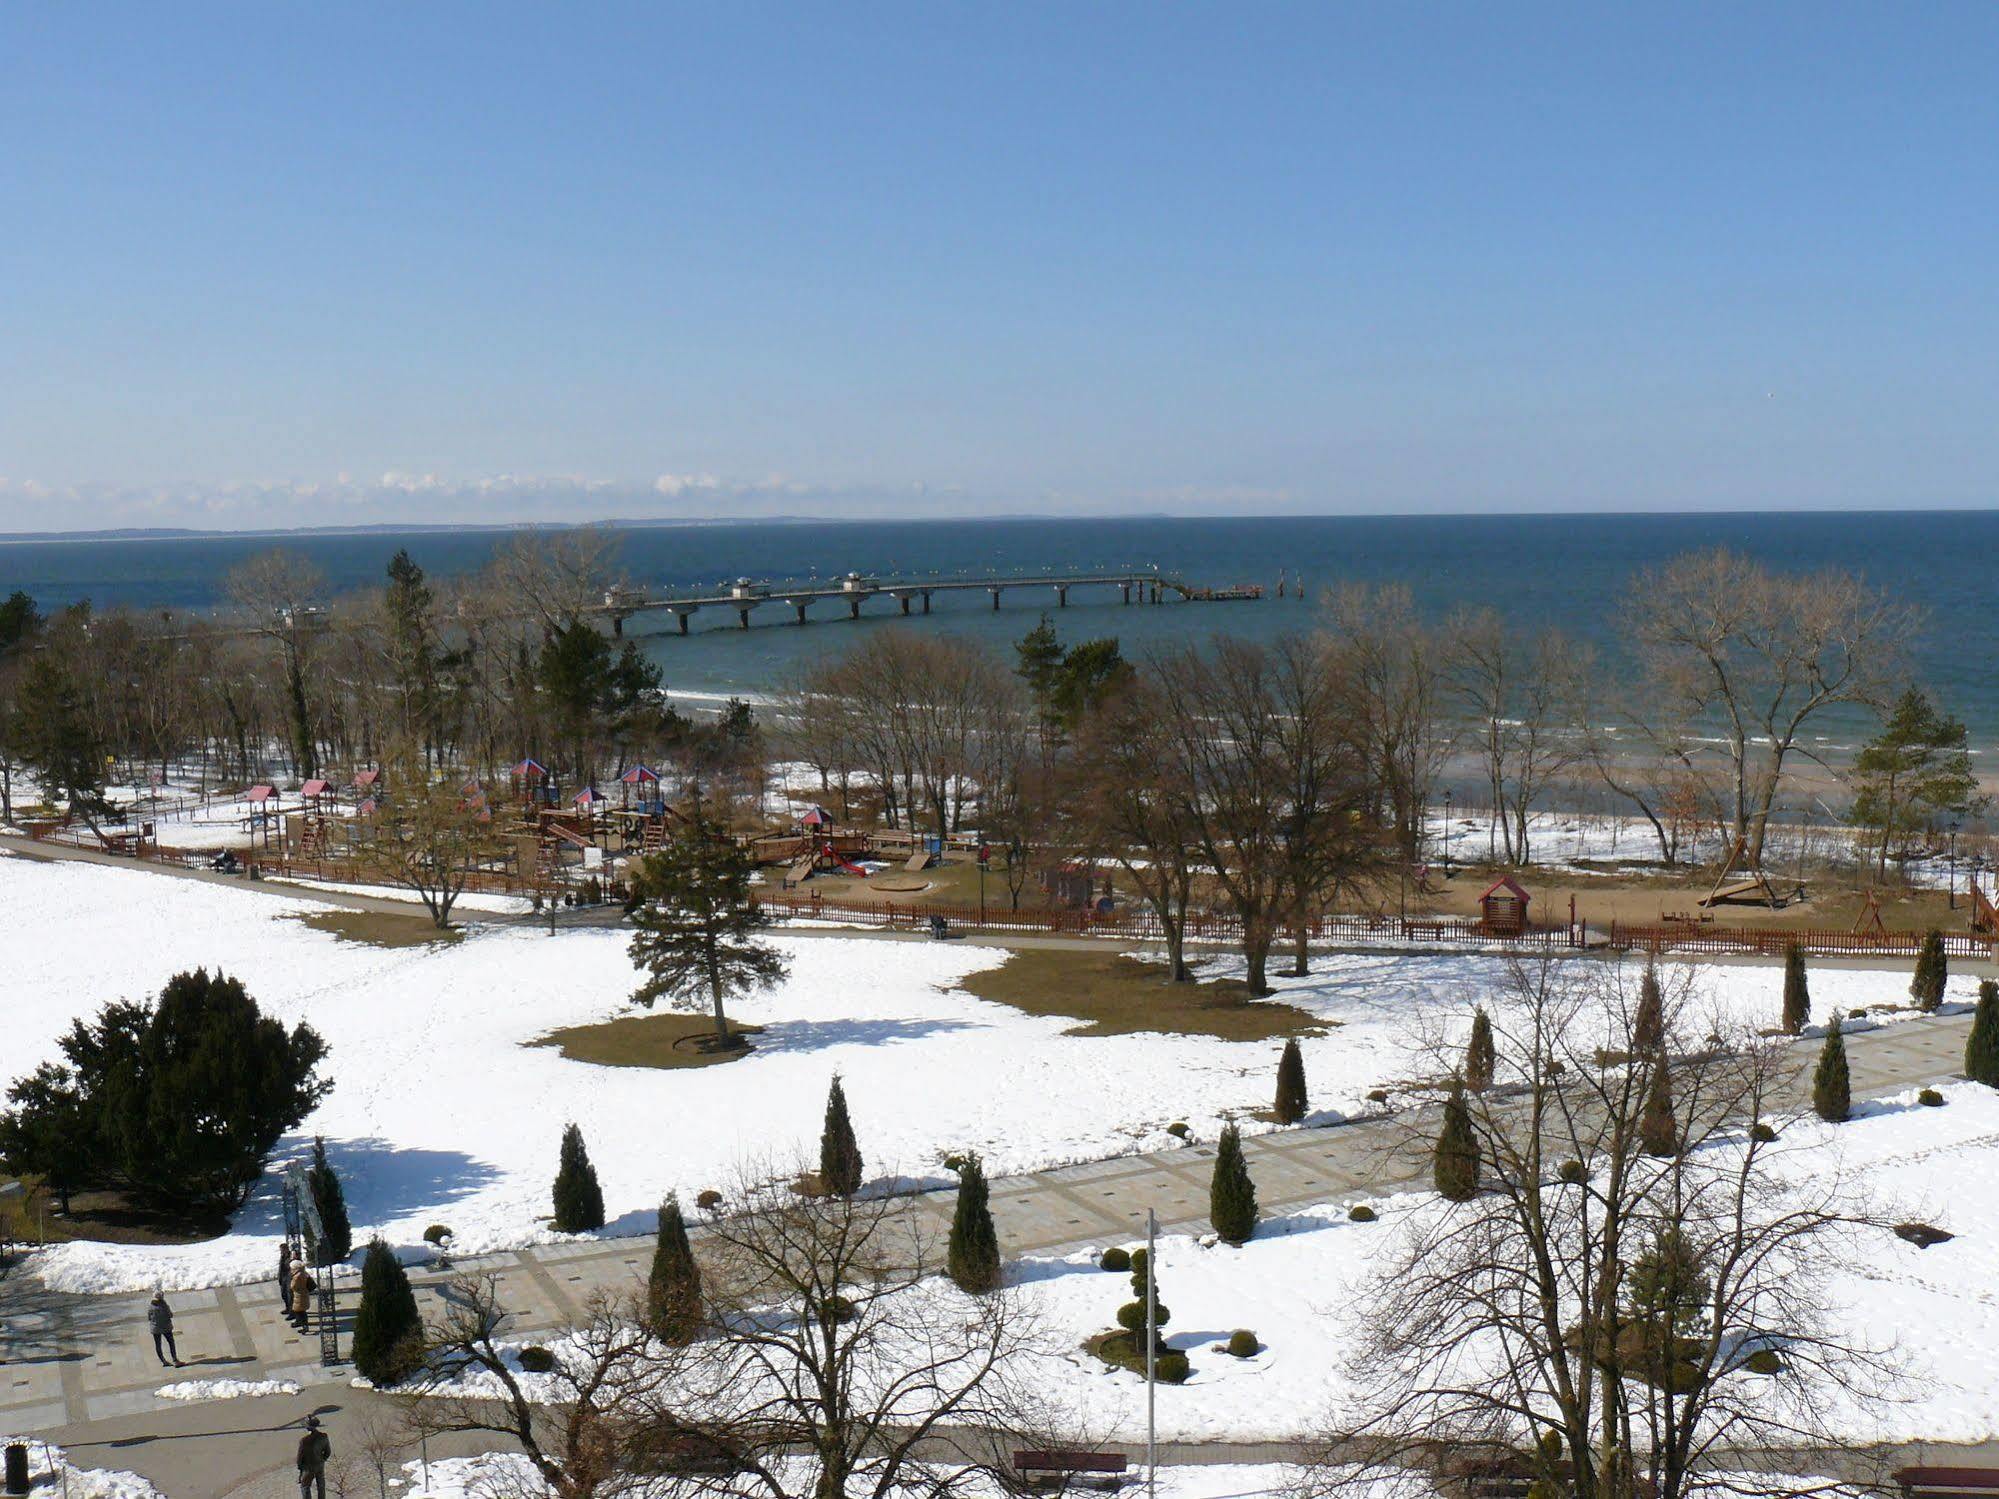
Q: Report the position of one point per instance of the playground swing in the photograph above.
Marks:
(1740, 879)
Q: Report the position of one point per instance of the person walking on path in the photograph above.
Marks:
(315, 1449)
(302, 1289)
(285, 1276)
(160, 1318)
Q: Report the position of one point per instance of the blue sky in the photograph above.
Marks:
(274, 265)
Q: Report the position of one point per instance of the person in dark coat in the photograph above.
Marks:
(285, 1276)
(315, 1450)
(160, 1318)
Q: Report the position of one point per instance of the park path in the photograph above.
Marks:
(80, 1369)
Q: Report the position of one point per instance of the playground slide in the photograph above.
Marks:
(845, 866)
(918, 862)
(799, 872)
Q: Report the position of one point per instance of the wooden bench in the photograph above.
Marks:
(1058, 1463)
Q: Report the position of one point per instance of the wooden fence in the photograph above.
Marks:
(1817, 942)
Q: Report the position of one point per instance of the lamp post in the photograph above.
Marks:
(984, 854)
(1953, 864)
(1450, 832)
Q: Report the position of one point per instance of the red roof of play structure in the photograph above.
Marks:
(366, 777)
(315, 788)
(262, 793)
(1506, 882)
(638, 775)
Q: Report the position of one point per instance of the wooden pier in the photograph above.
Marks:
(746, 595)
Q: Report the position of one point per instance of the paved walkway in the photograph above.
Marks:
(81, 1369)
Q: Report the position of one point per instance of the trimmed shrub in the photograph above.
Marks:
(837, 1309)
(1832, 1087)
(708, 1199)
(435, 1235)
(1658, 1130)
(388, 1332)
(1797, 991)
(1115, 1258)
(1177, 1129)
(1929, 1098)
(1762, 1134)
(579, 1201)
(954, 1164)
(839, 1151)
(1377, 1095)
(1243, 1344)
(1648, 1026)
(1231, 1194)
(974, 1258)
(1481, 1057)
(1171, 1367)
(1932, 971)
(1922, 1235)
(535, 1359)
(1454, 1168)
(331, 1202)
(1981, 1048)
(1360, 1212)
(673, 1289)
(1572, 1173)
(1764, 1361)
(1292, 1102)
(1131, 1316)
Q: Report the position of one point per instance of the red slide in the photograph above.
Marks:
(843, 865)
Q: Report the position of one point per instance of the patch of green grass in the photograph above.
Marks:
(1114, 995)
(666, 1040)
(379, 928)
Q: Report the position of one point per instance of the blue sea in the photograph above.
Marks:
(1572, 571)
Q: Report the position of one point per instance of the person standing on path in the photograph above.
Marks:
(285, 1276)
(315, 1449)
(160, 1318)
(301, 1294)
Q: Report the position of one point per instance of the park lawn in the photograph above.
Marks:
(1115, 994)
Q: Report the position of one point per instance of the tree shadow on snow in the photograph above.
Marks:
(380, 1179)
(817, 1035)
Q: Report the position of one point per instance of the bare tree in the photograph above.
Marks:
(1636, 1300)
(430, 834)
(1392, 665)
(1519, 694)
(281, 595)
(834, 1351)
(604, 1410)
(1755, 657)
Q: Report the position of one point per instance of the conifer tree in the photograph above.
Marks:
(673, 1290)
(839, 1151)
(387, 1329)
(974, 1257)
(1231, 1194)
(1648, 1026)
(1981, 1048)
(1292, 1102)
(1481, 1057)
(1455, 1167)
(1658, 1131)
(1832, 1088)
(337, 1234)
(579, 1201)
(1926, 988)
(1797, 991)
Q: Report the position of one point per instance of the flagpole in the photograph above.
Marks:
(1151, 1347)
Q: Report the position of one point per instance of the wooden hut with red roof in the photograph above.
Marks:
(1503, 907)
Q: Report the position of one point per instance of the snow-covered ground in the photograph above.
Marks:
(50, 1471)
(224, 1389)
(441, 1113)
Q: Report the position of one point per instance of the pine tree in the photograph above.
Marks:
(1932, 969)
(1981, 1049)
(1648, 1026)
(1658, 1131)
(697, 928)
(387, 1329)
(839, 1151)
(974, 1258)
(1481, 1057)
(1292, 1102)
(579, 1201)
(1231, 1194)
(337, 1234)
(1455, 1167)
(673, 1291)
(1832, 1088)
(1797, 991)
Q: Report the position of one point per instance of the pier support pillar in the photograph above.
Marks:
(1126, 591)
(683, 621)
(995, 593)
(743, 615)
(1061, 596)
(904, 601)
(800, 607)
(853, 608)
(926, 603)
(617, 627)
